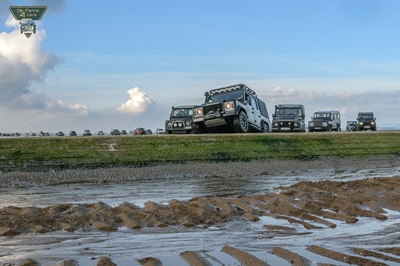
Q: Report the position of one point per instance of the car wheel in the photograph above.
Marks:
(265, 128)
(241, 124)
(195, 129)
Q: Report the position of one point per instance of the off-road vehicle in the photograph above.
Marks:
(160, 131)
(234, 108)
(366, 121)
(289, 118)
(115, 132)
(87, 132)
(140, 131)
(351, 126)
(181, 120)
(325, 121)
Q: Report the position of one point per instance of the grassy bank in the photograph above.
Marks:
(43, 153)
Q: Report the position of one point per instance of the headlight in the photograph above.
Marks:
(199, 111)
(276, 124)
(295, 124)
(324, 124)
(361, 123)
(188, 123)
(372, 123)
(169, 124)
(174, 124)
(229, 105)
(311, 124)
(180, 124)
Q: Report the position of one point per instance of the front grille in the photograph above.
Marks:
(318, 124)
(215, 108)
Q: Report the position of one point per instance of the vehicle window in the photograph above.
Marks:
(254, 103)
(226, 96)
(183, 112)
(248, 99)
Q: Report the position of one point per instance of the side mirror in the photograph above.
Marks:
(273, 115)
(206, 94)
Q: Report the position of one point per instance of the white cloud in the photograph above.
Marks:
(292, 95)
(138, 103)
(22, 62)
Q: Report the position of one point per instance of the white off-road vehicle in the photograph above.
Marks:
(234, 108)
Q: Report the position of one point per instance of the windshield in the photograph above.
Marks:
(226, 96)
(182, 112)
(366, 116)
(322, 115)
(288, 112)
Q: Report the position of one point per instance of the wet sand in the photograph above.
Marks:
(305, 208)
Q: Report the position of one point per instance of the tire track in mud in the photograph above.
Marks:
(244, 258)
(314, 205)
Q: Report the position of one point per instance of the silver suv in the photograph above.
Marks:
(325, 121)
(234, 108)
(87, 132)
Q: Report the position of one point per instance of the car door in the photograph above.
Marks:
(253, 112)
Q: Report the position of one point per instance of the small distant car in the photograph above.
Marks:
(123, 132)
(60, 134)
(159, 131)
(115, 132)
(87, 132)
(100, 133)
(351, 126)
(149, 132)
(140, 131)
(73, 133)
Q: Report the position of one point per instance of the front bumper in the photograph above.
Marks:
(178, 126)
(366, 125)
(286, 126)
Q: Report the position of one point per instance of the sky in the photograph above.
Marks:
(122, 64)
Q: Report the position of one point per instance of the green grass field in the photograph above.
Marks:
(43, 153)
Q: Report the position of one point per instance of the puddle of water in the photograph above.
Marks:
(163, 190)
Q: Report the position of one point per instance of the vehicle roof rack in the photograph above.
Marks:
(233, 88)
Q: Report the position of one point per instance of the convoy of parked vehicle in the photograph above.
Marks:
(238, 109)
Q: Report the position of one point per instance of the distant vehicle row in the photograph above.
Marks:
(238, 109)
(86, 132)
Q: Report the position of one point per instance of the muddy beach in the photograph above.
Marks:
(326, 212)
